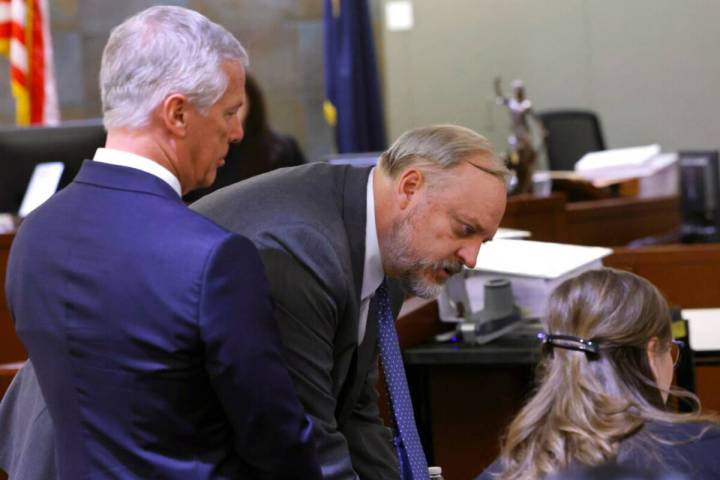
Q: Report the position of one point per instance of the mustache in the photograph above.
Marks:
(452, 266)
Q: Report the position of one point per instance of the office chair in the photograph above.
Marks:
(570, 135)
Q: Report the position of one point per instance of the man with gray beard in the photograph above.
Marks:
(330, 237)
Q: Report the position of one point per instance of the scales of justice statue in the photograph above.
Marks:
(522, 154)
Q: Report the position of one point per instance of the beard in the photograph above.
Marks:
(412, 271)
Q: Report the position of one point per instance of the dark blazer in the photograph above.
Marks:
(691, 449)
(150, 329)
(308, 223)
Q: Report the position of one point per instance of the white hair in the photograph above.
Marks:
(439, 148)
(161, 51)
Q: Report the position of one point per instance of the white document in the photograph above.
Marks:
(535, 259)
(508, 233)
(704, 324)
(7, 223)
(43, 184)
(625, 163)
(617, 158)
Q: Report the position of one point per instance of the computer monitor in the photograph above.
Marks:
(21, 148)
(700, 191)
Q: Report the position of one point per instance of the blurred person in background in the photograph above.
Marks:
(262, 149)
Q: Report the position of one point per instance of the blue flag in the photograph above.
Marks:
(352, 90)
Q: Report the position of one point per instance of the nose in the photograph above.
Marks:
(468, 253)
(236, 130)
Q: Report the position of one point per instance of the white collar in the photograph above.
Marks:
(372, 271)
(127, 159)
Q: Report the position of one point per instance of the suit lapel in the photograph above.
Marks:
(354, 218)
(354, 204)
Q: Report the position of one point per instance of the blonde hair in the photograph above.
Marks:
(585, 404)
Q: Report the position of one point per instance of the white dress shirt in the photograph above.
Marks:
(372, 271)
(127, 159)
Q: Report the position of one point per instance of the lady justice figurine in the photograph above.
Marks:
(522, 154)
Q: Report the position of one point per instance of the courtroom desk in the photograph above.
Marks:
(617, 221)
(11, 350)
(465, 396)
(688, 275)
(7, 373)
(603, 222)
(544, 217)
(707, 381)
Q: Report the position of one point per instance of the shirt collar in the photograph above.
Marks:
(127, 159)
(372, 271)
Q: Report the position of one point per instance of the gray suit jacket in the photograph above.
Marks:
(308, 223)
(27, 439)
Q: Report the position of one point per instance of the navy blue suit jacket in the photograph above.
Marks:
(152, 335)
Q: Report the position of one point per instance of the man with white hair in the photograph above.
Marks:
(149, 327)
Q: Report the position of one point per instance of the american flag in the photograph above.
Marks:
(25, 40)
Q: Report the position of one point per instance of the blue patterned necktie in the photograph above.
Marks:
(411, 457)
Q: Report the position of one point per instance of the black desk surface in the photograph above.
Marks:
(512, 350)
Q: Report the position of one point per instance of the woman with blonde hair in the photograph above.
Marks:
(602, 388)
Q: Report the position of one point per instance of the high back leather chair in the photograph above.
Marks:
(570, 135)
(21, 148)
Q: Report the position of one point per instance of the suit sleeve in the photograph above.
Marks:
(307, 315)
(246, 367)
(310, 291)
(369, 440)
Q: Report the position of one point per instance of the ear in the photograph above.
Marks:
(653, 350)
(410, 182)
(174, 112)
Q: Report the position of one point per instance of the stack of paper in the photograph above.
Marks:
(533, 268)
(507, 233)
(704, 328)
(623, 163)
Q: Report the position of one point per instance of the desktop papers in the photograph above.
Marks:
(507, 233)
(535, 259)
(704, 324)
(610, 166)
(43, 184)
(618, 158)
(533, 268)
